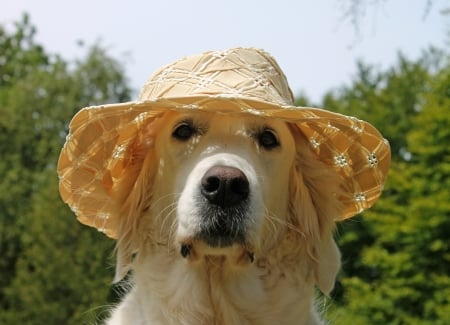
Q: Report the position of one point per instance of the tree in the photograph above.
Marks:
(388, 99)
(355, 11)
(53, 269)
(397, 255)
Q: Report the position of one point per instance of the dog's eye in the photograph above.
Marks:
(184, 131)
(268, 139)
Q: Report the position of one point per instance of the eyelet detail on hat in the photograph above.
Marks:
(184, 131)
(267, 139)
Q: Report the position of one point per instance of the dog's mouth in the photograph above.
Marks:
(222, 233)
(237, 255)
(222, 227)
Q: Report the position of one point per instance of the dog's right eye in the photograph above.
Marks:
(268, 139)
(184, 131)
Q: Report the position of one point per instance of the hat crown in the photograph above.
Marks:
(246, 73)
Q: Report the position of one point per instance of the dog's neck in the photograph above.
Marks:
(212, 291)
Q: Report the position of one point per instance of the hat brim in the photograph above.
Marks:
(95, 154)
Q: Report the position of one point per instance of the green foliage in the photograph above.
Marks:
(388, 99)
(53, 270)
(62, 271)
(397, 255)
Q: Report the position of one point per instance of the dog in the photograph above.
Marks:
(231, 222)
(222, 195)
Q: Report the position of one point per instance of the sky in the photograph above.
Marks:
(314, 45)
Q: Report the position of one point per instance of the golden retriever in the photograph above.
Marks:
(230, 221)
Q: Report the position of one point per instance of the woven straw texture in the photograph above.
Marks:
(237, 81)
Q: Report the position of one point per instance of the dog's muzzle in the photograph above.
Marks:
(224, 194)
(220, 210)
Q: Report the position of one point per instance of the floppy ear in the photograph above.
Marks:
(328, 264)
(137, 180)
(314, 195)
(317, 233)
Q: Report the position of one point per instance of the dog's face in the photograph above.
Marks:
(222, 177)
(237, 187)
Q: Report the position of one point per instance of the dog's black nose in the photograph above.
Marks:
(225, 186)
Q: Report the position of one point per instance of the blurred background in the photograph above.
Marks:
(384, 61)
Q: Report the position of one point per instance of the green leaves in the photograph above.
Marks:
(396, 256)
(54, 270)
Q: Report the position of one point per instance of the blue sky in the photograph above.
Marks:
(315, 47)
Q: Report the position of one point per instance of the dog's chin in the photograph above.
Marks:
(222, 234)
(219, 241)
(201, 249)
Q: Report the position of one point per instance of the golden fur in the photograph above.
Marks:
(292, 244)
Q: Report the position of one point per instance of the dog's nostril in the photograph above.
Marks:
(225, 186)
(211, 184)
(240, 186)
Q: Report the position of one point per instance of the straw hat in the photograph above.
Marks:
(244, 81)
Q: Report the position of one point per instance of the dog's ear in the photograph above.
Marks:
(317, 232)
(315, 189)
(135, 196)
(327, 265)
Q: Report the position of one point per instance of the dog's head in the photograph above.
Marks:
(232, 186)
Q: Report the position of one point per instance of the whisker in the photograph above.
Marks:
(97, 315)
(163, 210)
(168, 206)
(163, 197)
(172, 228)
(286, 223)
(269, 218)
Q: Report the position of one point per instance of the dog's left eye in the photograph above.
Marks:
(183, 131)
(268, 139)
